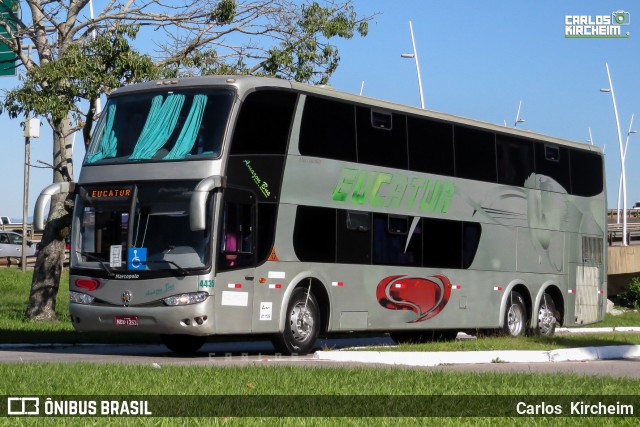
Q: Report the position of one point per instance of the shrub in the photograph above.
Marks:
(631, 297)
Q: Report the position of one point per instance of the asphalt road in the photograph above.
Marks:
(261, 353)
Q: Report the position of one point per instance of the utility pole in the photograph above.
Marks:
(31, 130)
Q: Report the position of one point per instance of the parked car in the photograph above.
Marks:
(11, 245)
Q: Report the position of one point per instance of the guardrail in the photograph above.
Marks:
(31, 261)
(614, 232)
(631, 213)
(15, 261)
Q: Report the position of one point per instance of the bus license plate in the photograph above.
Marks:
(126, 321)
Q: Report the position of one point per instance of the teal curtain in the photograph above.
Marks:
(108, 142)
(159, 126)
(189, 132)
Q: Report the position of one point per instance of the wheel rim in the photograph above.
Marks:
(515, 320)
(301, 322)
(546, 320)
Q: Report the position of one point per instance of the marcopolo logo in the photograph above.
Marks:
(613, 26)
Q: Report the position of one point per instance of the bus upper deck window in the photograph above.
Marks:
(358, 221)
(552, 153)
(398, 224)
(380, 120)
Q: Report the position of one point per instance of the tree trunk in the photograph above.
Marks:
(50, 260)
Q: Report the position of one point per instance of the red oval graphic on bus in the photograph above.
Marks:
(425, 297)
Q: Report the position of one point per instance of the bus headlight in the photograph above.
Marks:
(80, 298)
(186, 299)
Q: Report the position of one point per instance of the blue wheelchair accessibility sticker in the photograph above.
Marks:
(137, 258)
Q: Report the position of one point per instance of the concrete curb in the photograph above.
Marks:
(436, 358)
(498, 356)
(599, 330)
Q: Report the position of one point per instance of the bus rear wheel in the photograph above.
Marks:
(183, 344)
(515, 316)
(546, 317)
(302, 324)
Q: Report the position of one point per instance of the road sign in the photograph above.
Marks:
(137, 258)
(7, 57)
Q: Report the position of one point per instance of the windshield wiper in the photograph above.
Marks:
(102, 263)
(106, 267)
(182, 270)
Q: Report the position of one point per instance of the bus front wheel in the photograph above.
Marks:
(183, 344)
(302, 324)
(515, 316)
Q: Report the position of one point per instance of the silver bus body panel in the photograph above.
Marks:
(354, 306)
(531, 239)
(194, 170)
(532, 242)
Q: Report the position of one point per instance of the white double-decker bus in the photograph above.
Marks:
(256, 206)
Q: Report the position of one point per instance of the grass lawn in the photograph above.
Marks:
(289, 391)
(15, 286)
(316, 392)
(629, 318)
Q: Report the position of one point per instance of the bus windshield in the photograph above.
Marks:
(161, 126)
(138, 227)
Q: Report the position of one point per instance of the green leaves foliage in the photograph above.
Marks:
(306, 55)
(82, 72)
(631, 296)
(287, 39)
(224, 13)
(204, 62)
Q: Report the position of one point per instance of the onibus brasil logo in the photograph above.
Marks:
(612, 26)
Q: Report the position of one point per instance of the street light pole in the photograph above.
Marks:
(626, 145)
(414, 55)
(623, 172)
(518, 119)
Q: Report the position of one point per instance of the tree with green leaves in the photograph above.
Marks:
(68, 58)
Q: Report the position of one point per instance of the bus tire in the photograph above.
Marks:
(423, 336)
(546, 317)
(302, 324)
(183, 344)
(515, 316)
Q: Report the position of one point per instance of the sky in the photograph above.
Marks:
(477, 60)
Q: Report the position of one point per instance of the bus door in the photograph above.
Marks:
(235, 262)
(590, 281)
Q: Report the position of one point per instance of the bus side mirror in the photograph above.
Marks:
(45, 197)
(198, 208)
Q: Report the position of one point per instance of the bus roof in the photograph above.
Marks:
(245, 84)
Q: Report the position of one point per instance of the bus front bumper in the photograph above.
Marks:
(193, 319)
